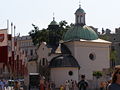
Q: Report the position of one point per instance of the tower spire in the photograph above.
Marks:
(80, 16)
(79, 4)
(53, 16)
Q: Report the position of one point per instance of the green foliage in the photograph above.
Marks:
(104, 37)
(63, 24)
(39, 36)
(97, 74)
(113, 55)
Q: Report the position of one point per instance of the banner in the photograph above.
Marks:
(4, 54)
(3, 37)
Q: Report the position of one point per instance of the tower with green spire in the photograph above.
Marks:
(80, 30)
(53, 28)
(80, 16)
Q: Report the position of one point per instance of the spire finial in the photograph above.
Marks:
(79, 4)
(53, 16)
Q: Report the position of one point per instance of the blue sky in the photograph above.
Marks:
(99, 13)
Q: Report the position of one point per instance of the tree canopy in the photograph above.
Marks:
(39, 36)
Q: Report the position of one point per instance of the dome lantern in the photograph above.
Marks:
(80, 16)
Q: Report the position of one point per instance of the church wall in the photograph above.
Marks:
(82, 51)
(44, 52)
(60, 75)
(100, 52)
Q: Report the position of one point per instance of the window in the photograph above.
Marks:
(31, 52)
(26, 52)
(43, 62)
(70, 73)
(92, 56)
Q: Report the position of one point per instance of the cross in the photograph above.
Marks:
(79, 3)
(53, 16)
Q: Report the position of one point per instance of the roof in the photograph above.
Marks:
(53, 22)
(80, 10)
(78, 32)
(97, 41)
(63, 61)
(65, 49)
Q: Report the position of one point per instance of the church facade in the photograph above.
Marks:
(80, 52)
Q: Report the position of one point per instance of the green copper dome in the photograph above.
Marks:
(53, 23)
(80, 10)
(77, 32)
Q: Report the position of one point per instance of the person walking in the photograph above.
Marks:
(102, 85)
(115, 84)
(67, 85)
(75, 85)
(61, 87)
(42, 84)
(2, 85)
(82, 85)
(16, 86)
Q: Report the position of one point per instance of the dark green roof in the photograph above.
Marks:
(77, 32)
(63, 61)
(53, 23)
(80, 10)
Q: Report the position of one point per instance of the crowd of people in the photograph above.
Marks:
(73, 85)
(46, 85)
(3, 84)
(9, 85)
(113, 84)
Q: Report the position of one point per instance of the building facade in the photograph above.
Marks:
(80, 52)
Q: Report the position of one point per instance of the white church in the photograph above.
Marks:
(80, 52)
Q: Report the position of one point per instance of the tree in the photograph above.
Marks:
(113, 57)
(97, 74)
(113, 52)
(39, 36)
(104, 37)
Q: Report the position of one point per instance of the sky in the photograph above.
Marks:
(24, 13)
